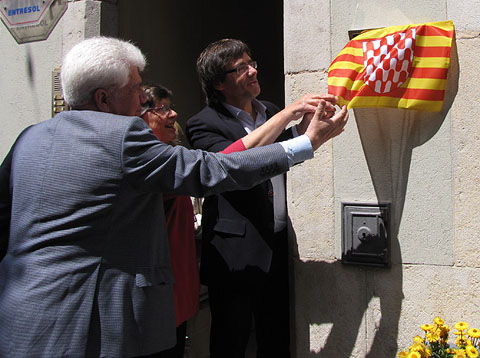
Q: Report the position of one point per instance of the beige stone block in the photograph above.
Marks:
(307, 35)
(310, 205)
(384, 296)
(448, 292)
(346, 310)
(300, 84)
(73, 25)
(330, 303)
(310, 185)
(465, 14)
(466, 151)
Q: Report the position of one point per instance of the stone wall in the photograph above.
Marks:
(424, 164)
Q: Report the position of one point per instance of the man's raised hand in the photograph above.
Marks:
(322, 128)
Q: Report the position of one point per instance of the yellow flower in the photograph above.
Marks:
(460, 354)
(444, 331)
(426, 327)
(403, 354)
(417, 339)
(417, 347)
(438, 321)
(433, 337)
(414, 355)
(474, 333)
(461, 326)
(471, 352)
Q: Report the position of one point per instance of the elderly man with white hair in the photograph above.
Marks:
(85, 269)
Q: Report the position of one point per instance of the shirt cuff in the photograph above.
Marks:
(298, 149)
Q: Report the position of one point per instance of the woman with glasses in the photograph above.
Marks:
(160, 115)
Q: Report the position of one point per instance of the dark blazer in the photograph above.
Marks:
(237, 226)
(86, 272)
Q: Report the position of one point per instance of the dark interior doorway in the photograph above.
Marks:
(172, 35)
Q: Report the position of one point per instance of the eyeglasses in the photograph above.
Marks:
(163, 109)
(243, 68)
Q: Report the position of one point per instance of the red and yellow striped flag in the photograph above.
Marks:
(398, 66)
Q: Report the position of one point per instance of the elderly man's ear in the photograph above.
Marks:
(101, 98)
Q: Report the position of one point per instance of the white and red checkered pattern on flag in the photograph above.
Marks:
(398, 66)
(388, 61)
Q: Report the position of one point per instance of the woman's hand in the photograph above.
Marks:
(308, 104)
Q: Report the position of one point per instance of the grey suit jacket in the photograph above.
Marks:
(86, 272)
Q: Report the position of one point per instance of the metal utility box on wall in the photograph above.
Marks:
(365, 234)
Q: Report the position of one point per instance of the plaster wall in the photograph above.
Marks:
(424, 164)
(26, 79)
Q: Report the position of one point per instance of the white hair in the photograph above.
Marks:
(98, 62)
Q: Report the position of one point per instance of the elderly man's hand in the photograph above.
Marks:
(322, 128)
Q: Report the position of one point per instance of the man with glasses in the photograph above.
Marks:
(245, 252)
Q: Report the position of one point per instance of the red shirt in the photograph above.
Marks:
(181, 238)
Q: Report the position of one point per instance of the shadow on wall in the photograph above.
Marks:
(334, 303)
(333, 300)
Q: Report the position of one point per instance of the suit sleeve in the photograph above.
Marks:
(150, 165)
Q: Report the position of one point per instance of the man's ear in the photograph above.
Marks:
(219, 86)
(101, 98)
